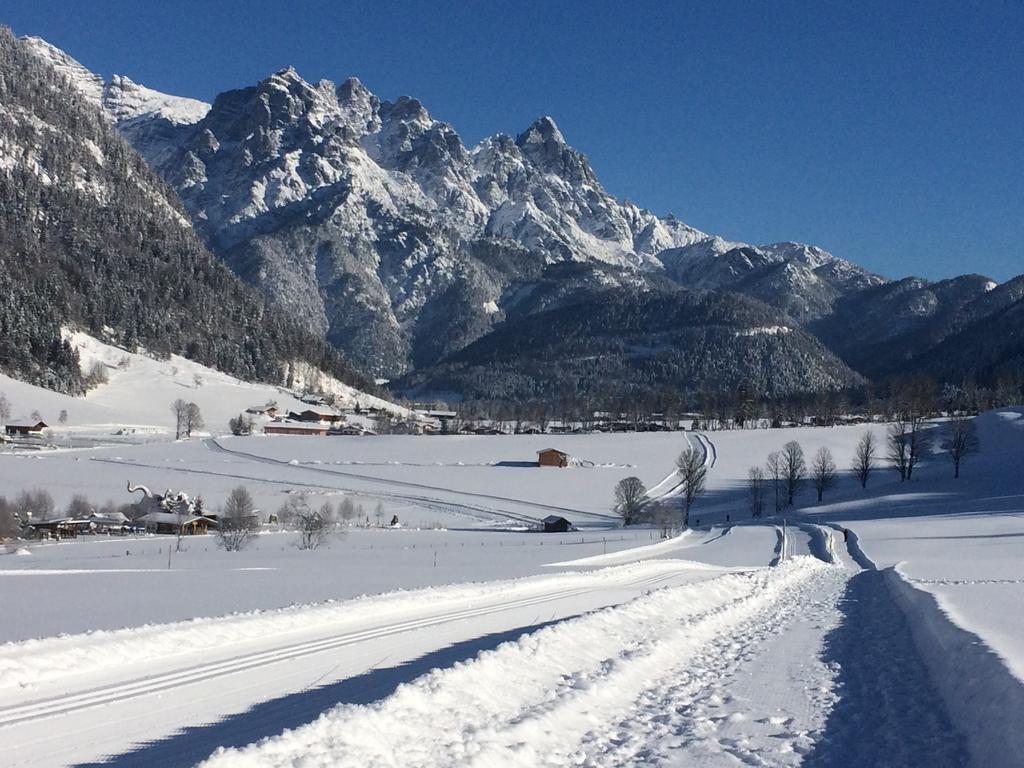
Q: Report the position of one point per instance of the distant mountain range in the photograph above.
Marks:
(505, 267)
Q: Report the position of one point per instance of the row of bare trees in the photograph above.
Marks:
(907, 441)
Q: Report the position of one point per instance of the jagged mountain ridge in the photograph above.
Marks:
(91, 238)
(371, 222)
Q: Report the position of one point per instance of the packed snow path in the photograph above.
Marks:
(802, 664)
(611, 688)
(658, 662)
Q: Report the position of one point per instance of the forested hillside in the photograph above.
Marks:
(91, 238)
(625, 341)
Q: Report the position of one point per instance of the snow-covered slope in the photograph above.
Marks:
(140, 389)
(121, 98)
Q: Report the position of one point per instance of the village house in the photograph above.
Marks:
(317, 414)
(295, 428)
(552, 457)
(55, 528)
(170, 522)
(270, 409)
(350, 429)
(25, 428)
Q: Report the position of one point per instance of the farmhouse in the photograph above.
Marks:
(270, 409)
(25, 428)
(316, 415)
(552, 457)
(291, 428)
(56, 528)
(168, 522)
(556, 524)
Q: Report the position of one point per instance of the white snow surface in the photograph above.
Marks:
(598, 647)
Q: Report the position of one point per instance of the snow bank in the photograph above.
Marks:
(32, 662)
(984, 699)
(660, 549)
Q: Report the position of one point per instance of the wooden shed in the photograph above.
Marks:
(25, 428)
(552, 457)
(556, 524)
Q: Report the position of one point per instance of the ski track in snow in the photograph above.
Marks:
(623, 686)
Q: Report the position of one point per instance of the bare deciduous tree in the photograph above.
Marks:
(313, 528)
(755, 484)
(5, 408)
(864, 458)
(794, 469)
(193, 419)
(823, 469)
(960, 440)
(920, 441)
(178, 409)
(36, 504)
(898, 445)
(239, 521)
(347, 510)
(693, 474)
(79, 507)
(776, 474)
(629, 498)
(9, 525)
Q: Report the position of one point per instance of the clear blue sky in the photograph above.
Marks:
(891, 133)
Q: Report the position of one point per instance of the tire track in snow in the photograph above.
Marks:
(473, 512)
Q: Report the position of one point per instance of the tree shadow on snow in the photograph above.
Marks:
(269, 718)
(888, 712)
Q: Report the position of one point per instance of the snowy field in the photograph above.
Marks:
(461, 639)
(134, 404)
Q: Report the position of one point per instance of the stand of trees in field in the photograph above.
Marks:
(743, 408)
(236, 524)
(909, 437)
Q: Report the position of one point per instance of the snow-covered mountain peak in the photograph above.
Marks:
(543, 130)
(88, 83)
(360, 108)
(121, 98)
(125, 100)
